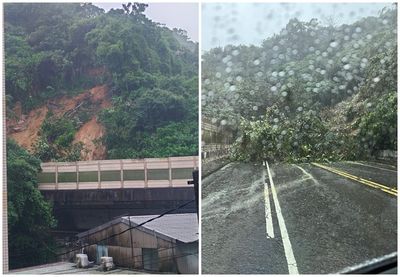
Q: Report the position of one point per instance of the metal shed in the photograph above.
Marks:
(167, 244)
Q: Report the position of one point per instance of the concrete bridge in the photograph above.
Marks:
(89, 193)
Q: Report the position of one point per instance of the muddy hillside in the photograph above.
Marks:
(25, 128)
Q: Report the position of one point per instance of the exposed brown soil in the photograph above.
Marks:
(61, 105)
(25, 132)
(90, 134)
(99, 95)
(24, 128)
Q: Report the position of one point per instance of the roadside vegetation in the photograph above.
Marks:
(312, 92)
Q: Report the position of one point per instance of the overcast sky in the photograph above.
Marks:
(251, 23)
(173, 15)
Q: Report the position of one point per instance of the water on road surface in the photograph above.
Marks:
(326, 221)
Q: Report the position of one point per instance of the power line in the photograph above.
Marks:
(148, 262)
(124, 231)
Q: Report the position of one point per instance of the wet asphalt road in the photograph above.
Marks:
(332, 222)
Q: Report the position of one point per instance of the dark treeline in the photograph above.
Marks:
(311, 92)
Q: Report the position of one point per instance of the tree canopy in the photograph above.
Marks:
(29, 214)
(55, 50)
(312, 91)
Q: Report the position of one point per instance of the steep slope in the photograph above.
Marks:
(25, 129)
(55, 50)
(90, 135)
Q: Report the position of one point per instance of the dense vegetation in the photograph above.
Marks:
(56, 140)
(311, 92)
(61, 49)
(29, 215)
(154, 121)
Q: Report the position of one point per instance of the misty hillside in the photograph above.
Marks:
(85, 84)
(310, 92)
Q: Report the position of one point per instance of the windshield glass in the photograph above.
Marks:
(299, 147)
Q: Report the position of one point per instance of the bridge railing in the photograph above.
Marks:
(112, 174)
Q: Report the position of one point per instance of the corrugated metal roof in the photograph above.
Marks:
(182, 227)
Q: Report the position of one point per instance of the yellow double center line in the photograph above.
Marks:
(386, 189)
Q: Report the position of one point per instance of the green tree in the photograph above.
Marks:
(55, 141)
(150, 70)
(378, 126)
(30, 216)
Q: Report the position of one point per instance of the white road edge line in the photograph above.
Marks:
(268, 212)
(287, 246)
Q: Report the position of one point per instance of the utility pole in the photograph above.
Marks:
(195, 183)
(130, 233)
